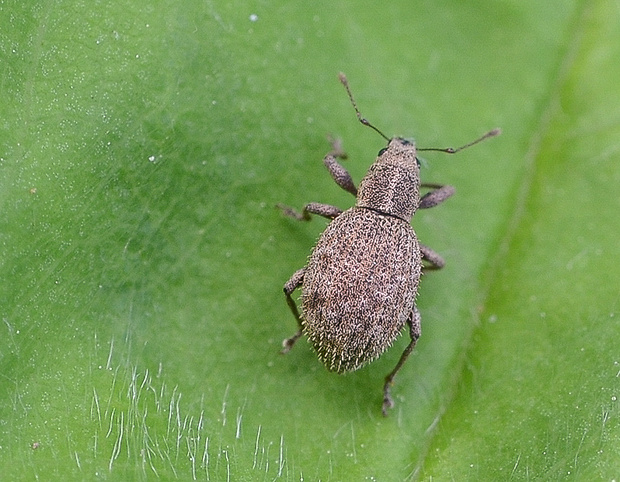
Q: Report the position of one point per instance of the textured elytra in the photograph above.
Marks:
(359, 287)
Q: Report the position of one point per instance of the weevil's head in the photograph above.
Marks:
(399, 151)
(392, 184)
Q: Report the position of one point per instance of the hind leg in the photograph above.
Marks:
(290, 286)
(415, 331)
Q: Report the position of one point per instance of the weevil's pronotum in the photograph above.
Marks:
(359, 287)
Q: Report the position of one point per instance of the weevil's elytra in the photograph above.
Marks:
(378, 293)
(359, 287)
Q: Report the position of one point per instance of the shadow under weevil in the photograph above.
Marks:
(359, 287)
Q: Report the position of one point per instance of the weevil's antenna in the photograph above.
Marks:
(343, 80)
(452, 150)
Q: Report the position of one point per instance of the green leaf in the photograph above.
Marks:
(142, 152)
(539, 396)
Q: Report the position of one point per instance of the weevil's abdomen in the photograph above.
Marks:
(359, 287)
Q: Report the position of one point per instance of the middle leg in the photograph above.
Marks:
(326, 210)
(434, 261)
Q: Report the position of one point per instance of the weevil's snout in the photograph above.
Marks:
(398, 148)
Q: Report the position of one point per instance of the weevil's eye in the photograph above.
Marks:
(382, 151)
(405, 142)
(418, 162)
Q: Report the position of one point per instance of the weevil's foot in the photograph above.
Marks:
(292, 213)
(337, 150)
(388, 403)
(288, 343)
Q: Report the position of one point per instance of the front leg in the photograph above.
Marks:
(438, 195)
(415, 329)
(339, 174)
(290, 286)
(337, 170)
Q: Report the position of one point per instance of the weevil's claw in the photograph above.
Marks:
(292, 213)
(288, 343)
(388, 403)
(337, 150)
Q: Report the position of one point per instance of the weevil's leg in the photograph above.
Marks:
(337, 170)
(434, 261)
(438, 195)
(325, 210)
(414, 331)
(339, 173)
(290, 286)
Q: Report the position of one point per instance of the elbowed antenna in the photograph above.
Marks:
(452, 150)
(343, 80)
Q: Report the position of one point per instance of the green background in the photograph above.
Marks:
(142, 152)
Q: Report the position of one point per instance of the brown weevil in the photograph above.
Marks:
(360, 284)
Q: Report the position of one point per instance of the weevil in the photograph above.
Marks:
(359, 287)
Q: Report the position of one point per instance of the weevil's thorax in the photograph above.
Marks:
(392, 184)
